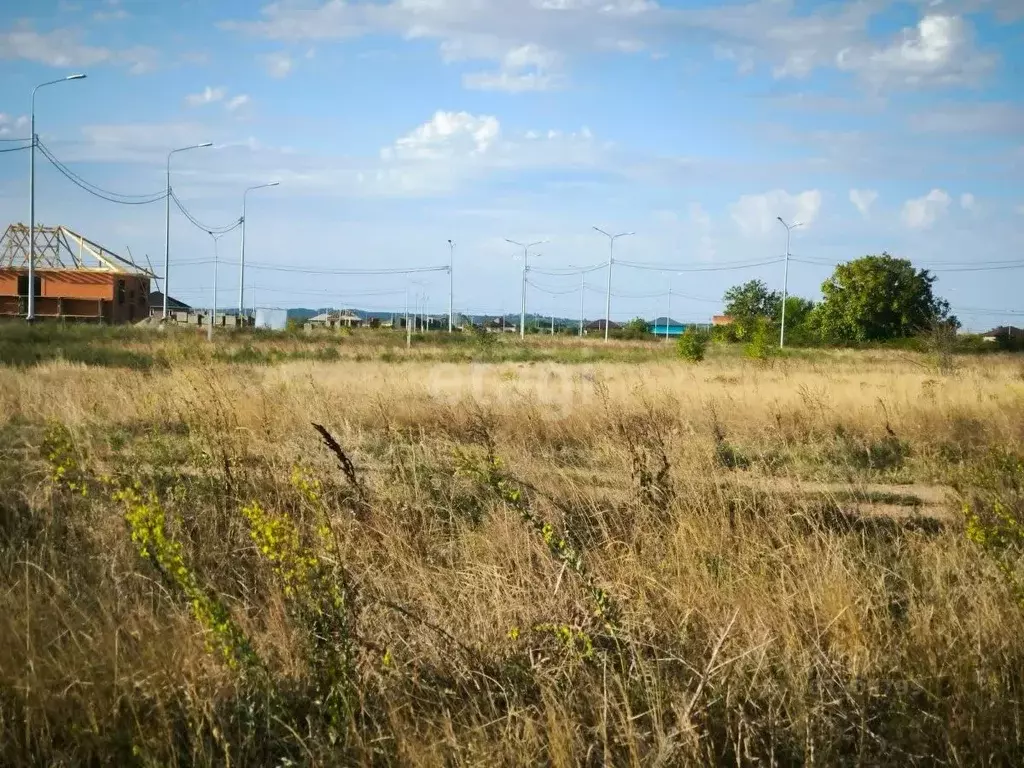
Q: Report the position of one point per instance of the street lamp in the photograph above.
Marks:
(31, 310)
(167, 221)
(241, 261)
(526, 268)
(451, 265)
(583, 287)
(668, 317)
(785, 282)
(611, 260)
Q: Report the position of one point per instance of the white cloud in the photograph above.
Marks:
(114, 12)
(9, 125)
(757, 214)
(279, 65)
(450, 151)
(792, 40)
(523, 68)
(863, 199)
(64, 48)
(923, 212)
(509, 82)
(968, 201)
(207, 96)
(970, 117)
(237, 102)
(939, 50)
(445, 135)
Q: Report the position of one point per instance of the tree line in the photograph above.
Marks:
(871, 299)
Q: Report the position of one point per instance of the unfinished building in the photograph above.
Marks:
(75, 278)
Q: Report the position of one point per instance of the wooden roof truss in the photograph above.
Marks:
(61, 248)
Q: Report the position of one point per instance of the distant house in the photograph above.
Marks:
(1004, 333)
(598, 325)
(340, 319)
(156, 304)
(721, 320)
(666, 326)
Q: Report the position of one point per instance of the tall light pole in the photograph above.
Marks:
(451, 265)
(216, 264)
(611, 260)
(167, 221)
(785, 281)
(31, 309)
(583, 287)
(668, 317)
(241, 261)
(526, 268)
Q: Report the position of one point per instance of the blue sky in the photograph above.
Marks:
(394, 125)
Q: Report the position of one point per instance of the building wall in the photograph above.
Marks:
(114, 298)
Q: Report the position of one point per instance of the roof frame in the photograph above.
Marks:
(54, 250)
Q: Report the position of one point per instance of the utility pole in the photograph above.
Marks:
(611, 260)
(451, 266)
(526, 268)
(408, 327)
(167, 221)
(552, 324)
(785, 281)
(668, 317)
(216, 260)
(30, 312)
(241, 261)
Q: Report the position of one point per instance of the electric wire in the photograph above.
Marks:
(16, 149)
(690, 268)
(105, 194)
(211, 230)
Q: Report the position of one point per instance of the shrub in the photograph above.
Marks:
(761, 346)
(692, 344)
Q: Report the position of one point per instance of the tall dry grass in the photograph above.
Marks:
(754, 622)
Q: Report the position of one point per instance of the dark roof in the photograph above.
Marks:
(156, 299)
(1005, 330)
(599, 324)
(662, 321)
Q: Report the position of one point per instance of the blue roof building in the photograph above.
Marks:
(661, 326)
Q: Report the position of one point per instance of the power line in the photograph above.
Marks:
(16, 149)
(981, 266)
(690, 268)
(569, 271)
(105, 194)
(314, 271)
(208, 229)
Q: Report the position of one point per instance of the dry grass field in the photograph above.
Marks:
(497, 563)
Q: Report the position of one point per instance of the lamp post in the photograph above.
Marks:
(241, 261)
(451, 265)
(668, 317)
(216, 264)
(526, 268)
(785, 280)
(31, 309)
(167, 221)
(611, 260)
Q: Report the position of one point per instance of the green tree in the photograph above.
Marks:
(799, 328)
(692, 344)
(750, 303)
(875, 298)
(637, 328)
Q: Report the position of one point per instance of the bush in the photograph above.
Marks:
(762, 342)
(692, 344)
(635, 330)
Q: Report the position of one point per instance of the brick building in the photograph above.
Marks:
(75, 278)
